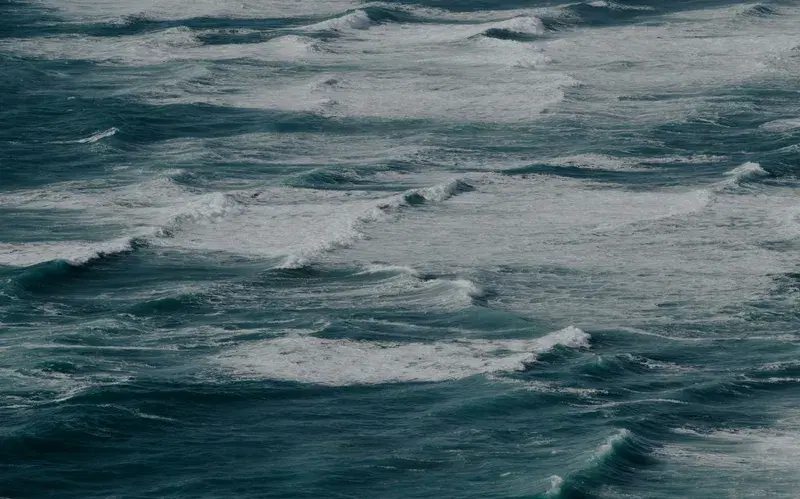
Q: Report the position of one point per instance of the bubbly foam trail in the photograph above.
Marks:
(98, 136)
(604, 4)
(308, 359)
(604, 162)
(384, 268)
(161, 47)
(718, 50)
(786, 125)
(464, 54)
(767, 455)
(111, 11)
(296, 225)
(152, 211)
(410, 291)
(599, 162)
(533, 224)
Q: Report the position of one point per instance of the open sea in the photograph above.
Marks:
(470, 249)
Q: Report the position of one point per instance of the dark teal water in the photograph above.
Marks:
(507, 249)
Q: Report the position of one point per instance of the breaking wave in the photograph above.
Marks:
(746, 171)
(335, 362)
(352, 232)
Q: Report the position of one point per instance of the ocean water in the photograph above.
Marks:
(400, 249)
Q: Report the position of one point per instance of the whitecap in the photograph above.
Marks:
(523, 25)
(340, 362)
(350, 229)
(614, 440)
(785, 125)
(378, 268)
(74, 252)
(354, 20)
(746, 171)
(556, 482)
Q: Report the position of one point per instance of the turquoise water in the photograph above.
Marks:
(508, 249)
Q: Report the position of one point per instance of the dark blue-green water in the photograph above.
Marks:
(402, 249)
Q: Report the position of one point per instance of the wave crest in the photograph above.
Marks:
(746, 171)
(338, 362)
(352, 231)
(356, 20)
(516, 28)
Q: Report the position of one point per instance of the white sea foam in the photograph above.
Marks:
(610, 405)
(121, 348)
(98, 136)
(629, 163)
(548, 387)
(121, 12)
(451, 94)
(786, 125)
(687, 431)
(382, 68)
(160, 47)
(297, 224)
(617, 68)
(74, 252)
(765, 455)
(49, 387)
(524, 25)
(698, 248)
(623, 68)
(779, 366)
(349, 228)
(608, 447)
(746, 171)
(599, 162)
(616, 6)
(292, 47)
(405, 291)
(308, 359)
(353, 20)
(555, 486)
(146, 210)
(383, 268)
(697, 159)
(138, 413)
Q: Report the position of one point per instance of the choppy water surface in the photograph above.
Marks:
(402, 249)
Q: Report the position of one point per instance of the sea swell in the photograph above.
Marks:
(262, 249)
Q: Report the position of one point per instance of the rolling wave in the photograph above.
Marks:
(619, 456)
(760, 10)
(73, 253)
(309, 359)
(523, 28)
(44, 264)
(386, 206)
(179, 222)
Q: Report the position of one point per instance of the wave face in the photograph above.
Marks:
(270, 248)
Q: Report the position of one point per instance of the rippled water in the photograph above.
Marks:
(401, 249)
